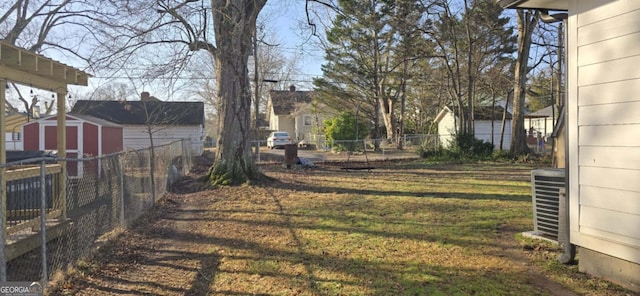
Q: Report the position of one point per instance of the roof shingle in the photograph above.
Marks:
(284, 102)
(143, 112)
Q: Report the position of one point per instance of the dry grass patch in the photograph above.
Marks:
(406, 228)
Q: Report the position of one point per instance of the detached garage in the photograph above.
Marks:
(487, 127)
(87, 137)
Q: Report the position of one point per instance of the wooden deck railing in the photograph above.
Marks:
(24, 195)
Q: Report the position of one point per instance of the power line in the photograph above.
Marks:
(308, 75)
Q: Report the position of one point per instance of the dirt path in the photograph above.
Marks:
(510, 249)
(165, 257)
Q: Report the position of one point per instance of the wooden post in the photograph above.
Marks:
(3, 183)
(62, 150)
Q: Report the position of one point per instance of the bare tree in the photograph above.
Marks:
(117, 91)
(160, 37)
(207, 93)
(234, 21)
(55, 25)
(527, 21)
(154, 116)
(470, 36)
(271, 69)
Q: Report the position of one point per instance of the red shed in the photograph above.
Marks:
(87, 136)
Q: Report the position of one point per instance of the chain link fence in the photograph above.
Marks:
(318, 149)
(408, 141)
(100, 195)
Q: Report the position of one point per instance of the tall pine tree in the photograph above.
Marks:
(369, 52)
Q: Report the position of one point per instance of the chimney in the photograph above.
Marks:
(145, 96)
(292, 88)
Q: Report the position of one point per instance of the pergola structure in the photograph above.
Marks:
(18, 65)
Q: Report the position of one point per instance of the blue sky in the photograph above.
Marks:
(287, 19)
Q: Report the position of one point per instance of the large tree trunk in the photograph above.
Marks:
(388, 117)
(527, 20)
(234, 23)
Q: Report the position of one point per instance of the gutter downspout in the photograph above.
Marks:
(569, 250)
(552, 18)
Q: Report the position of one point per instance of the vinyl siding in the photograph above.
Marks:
(136, 137)
(11, 144)
(482, 128)
(604, 124)
(483, 132)
(447, 130)
(286, 124)
(543, 125)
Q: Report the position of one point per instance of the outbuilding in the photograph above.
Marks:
(165, 121)
(488, 126)
(87, 137)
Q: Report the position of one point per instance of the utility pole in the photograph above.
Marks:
(256, 81)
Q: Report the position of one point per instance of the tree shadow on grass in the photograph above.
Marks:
(388, 273)
(325, 188)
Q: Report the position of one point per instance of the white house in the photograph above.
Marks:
(12, 130)
(165, 121)
(541, 121)
(294, 112)
(603, 128)
(487, 126)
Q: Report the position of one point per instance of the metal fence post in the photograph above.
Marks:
(43, 221)
(152, 173)
(3, 224)
(121, 173)
(3, 186)
(257, 150)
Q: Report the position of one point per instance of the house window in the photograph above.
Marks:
(16, 136)
(308, 120)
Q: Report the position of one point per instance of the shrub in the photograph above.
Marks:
(464, 147)
(429, 152)
(343, 128)
(467, 145)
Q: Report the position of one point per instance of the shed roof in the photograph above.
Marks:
(544, 112)
(284, 102)
(87, 118)
(143, 112)
(480, 113)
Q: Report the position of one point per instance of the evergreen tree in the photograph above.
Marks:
(370, 52)
(357, 58)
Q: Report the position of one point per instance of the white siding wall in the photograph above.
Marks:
(136, 137)
(447, 130)
(273, 122)
(543, 125)
(303, 130)
(11, 144)
(604, 126)
(286, 124)
(483, 132)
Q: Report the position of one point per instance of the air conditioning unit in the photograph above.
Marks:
(546, 187)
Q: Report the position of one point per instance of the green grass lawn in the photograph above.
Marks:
(404, 229)
(407, 228)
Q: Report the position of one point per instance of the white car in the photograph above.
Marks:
(278, 139)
